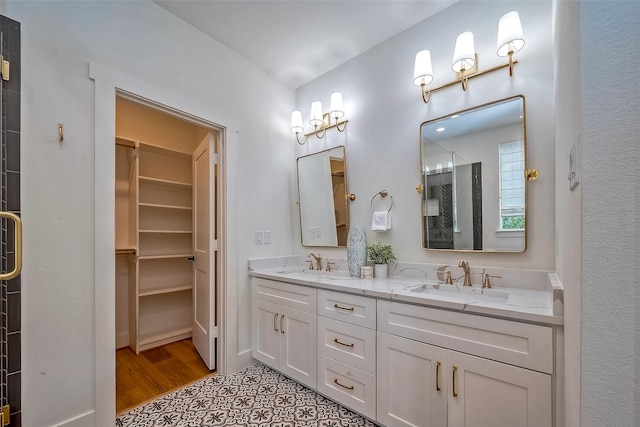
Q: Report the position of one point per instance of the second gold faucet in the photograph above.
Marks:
(467, 272)
(318, 260)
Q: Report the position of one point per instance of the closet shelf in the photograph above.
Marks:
(159, 206)
(163, 150)
(165, 290)
(165, 256)
(154, 339)
(164, 181)
(166, 231)
(125, 251)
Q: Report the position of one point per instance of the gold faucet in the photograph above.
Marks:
(486, 283)
(447, 279)
(467, 272)
(318, 261)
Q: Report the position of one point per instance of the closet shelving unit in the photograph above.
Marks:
(160, 290)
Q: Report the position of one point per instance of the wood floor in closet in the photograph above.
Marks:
(155, 372)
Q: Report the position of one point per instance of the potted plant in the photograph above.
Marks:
(381, 255)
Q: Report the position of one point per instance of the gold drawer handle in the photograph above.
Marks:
(17, 251)
(437, 376)
(275, 320)
(281, 326)
(335, 380)
(335, 340)
(453, 380)
(343, 308)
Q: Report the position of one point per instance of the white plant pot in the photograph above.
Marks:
(380, 270)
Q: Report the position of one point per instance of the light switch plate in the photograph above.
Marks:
(574, 164)
(267, 237)
(259, 237)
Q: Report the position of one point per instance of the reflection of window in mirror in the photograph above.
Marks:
(511, 185)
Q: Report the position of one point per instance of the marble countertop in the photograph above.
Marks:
(517, 303)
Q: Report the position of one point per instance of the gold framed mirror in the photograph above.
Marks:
(473, 167)
(322, 198)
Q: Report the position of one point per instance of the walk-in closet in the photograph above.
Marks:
(166, 203)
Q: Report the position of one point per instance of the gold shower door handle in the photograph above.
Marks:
(17, 252)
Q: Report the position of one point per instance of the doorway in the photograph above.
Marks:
(167, 227)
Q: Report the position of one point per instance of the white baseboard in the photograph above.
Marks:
(122, 340)
(84, 420)
(244, 360)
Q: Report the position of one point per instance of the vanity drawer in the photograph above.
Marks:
(298, 297)
(512, 342)
(350, 344)
(349, 308)
(351, 387)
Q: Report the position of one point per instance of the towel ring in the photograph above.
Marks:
(382, 194)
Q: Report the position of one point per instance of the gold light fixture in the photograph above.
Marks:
(319, 120)
(465, 59)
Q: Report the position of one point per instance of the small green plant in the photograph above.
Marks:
(379, 253)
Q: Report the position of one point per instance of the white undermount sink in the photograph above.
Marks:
(466, 295)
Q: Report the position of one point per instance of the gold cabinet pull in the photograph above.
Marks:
(275, 320)
(335, 340)
(350, 387)
(343, 308)
(281, 325)
(453, 380)
(437, 376)
(17, 252)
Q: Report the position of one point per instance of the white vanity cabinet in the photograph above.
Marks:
(284, 328)
(347, 350)
(429, 372)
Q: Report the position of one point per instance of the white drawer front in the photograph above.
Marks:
(298, 297)
(516, 343)
(350, 344)
(348, 386)
(350, 308)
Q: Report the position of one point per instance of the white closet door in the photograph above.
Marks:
(204, 250)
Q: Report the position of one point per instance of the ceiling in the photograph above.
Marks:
(296, 41)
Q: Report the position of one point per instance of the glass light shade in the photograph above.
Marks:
(315, 118)
(336, 109)
(510, 34)
(464, 53)
(423, 70)
(296, 122)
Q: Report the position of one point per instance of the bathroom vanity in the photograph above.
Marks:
(412, 351)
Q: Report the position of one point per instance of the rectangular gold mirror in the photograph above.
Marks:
(473, 167)
(322, 198)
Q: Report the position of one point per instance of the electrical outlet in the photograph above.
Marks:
(259, 237)
(317, 232)
(267, 237)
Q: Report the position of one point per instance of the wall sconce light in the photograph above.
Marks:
(319, 120)
(465, 59)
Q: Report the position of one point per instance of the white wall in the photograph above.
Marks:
(568, 204)
(610, 350)
(139, 39)
(385, 111)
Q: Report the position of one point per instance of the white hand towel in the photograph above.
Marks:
(381, 221)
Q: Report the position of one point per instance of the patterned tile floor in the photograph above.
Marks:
(256, 396)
